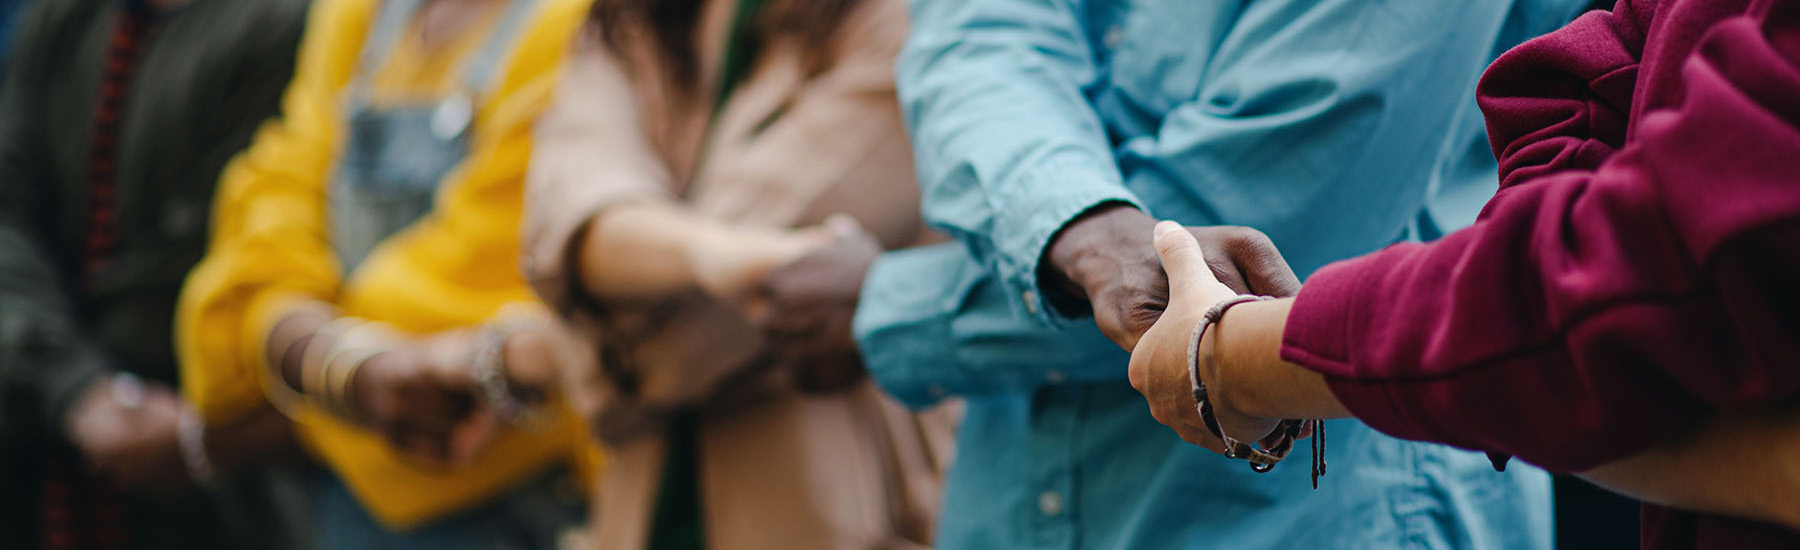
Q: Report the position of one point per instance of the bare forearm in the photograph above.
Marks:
(1248, 354)
(639, 251)
(1739, 464)
(648, 251)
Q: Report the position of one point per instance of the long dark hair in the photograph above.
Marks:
(673, 24)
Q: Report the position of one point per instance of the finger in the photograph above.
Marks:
(1185, 263)
(843, 225)
(1200, 437)
(1263, 267)
(1227, 273)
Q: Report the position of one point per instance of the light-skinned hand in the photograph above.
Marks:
(1159, 365)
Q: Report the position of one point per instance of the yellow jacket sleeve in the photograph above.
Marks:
(455, 267)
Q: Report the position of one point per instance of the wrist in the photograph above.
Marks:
(1087, 254)
(1220, 369)
(1258, 382)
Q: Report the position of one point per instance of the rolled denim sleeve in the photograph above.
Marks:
(1009, 149)
(933, 323)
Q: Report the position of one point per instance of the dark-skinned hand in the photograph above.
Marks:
(811, 302)
(420, 397)
(1107, 257)
(1159, 365)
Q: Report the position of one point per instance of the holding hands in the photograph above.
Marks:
(1159, 291)
(810, 304)
(439, 398)
(800, 287)
(1222, 384)
(1169, 356)
(1106, 256)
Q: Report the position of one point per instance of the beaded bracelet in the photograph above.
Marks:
(1261, 459)
(487, 367)
(191, 437)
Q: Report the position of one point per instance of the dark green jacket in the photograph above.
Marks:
(210, 73)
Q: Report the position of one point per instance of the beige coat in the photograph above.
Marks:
(778, 469)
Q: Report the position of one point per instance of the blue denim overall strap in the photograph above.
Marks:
(394, 156)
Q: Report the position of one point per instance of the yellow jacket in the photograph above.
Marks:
(453, 268)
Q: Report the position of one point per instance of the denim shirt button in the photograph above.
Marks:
(1050, 503)
(1031, 302)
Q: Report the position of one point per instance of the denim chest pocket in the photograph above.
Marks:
(388, 174)
(1162, 48)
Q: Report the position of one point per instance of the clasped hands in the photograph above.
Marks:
(800, 287)
(1149, 285)
(420, 392)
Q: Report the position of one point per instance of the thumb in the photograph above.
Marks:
(1185, 263)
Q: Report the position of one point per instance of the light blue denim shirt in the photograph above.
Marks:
(1335, 126)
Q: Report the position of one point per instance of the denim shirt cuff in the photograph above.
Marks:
(1080, 189)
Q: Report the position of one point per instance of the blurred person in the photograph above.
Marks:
(116, 118)
(1623, 309)
(1048, 136)
(362, 277)
(679, 201)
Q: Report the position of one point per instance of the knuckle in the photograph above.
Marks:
(1244, 234)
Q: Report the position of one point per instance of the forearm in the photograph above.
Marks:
(1738, 464)
(652, 250)
(640, 250)
(1246, 347)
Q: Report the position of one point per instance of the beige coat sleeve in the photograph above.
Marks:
(591, 153)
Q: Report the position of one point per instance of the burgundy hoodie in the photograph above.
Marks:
(1638, 270)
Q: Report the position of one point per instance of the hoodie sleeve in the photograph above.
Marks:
(1603, 300)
